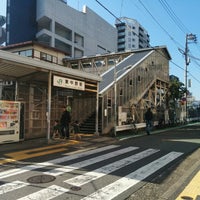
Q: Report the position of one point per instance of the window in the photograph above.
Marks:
(121, 91)
(46, 57)
(79, 40)
(63, 31)
(27, 53)
(109, 102)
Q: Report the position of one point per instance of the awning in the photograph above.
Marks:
(13, 66)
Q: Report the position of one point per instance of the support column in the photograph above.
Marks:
(16, 91)
(49, 107)
(97, 111)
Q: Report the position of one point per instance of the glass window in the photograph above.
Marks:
(27, 53)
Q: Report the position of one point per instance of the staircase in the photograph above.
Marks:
(88, 126)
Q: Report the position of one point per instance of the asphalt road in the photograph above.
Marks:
(153, 167)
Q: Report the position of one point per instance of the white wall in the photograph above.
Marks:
(95, 30)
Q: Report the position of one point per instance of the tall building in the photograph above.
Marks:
(2, 30)
(54, 23)
(131, 35)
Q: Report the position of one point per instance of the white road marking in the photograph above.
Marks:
(13, 172)
(98, 173)
(46, 194)
(121, 185)
(69, 168)
(8, 187)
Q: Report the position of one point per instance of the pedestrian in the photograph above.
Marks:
(148, 120)
(64, 123)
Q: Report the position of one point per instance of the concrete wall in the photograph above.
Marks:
(99, 36)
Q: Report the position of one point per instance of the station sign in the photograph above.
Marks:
(68, 83)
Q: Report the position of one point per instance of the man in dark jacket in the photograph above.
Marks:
(148, 119)
(64, 123)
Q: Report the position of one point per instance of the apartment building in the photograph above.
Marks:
(131, 35)
(54, 23)
(2, 29)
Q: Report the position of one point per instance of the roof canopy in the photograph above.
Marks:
(15, 67)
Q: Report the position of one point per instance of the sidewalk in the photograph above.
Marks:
(86, 140)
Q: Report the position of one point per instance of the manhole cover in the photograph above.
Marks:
(75, 188)
(41, 179)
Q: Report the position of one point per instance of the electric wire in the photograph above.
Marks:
(161, 28)
(176, 20)
(137, 34)
(174, 17)
(167, 34)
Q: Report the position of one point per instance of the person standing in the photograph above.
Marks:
(148, 119)
(64, 123)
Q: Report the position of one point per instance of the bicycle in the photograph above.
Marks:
(134, 129)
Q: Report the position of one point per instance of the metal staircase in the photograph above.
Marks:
(88, 126)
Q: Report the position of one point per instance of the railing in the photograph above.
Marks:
(130, 126)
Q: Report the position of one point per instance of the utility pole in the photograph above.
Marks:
(189, 37)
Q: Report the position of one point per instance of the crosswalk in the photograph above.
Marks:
(104, 173)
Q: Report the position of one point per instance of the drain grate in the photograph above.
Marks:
(186, 198)
(41, 179)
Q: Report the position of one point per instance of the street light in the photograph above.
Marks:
(115, 95)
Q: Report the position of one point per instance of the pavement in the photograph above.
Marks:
(190, 168)
(86, 140)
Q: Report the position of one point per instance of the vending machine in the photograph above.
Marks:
(10, 112)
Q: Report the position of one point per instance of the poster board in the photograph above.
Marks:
(9, 121)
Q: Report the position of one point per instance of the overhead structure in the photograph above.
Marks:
(144, 84)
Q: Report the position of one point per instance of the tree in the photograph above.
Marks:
(176, 88)
(176, 93)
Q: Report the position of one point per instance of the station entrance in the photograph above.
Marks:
(32, 86)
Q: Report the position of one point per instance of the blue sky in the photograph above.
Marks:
(167, 22)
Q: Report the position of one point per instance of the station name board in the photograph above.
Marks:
(68, 83)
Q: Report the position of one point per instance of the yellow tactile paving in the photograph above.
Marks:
(25, 154)
(192, 190)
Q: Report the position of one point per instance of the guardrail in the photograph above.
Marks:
(130, 126)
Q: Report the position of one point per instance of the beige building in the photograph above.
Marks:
(34, 76)
(141, 78)
(104, 91)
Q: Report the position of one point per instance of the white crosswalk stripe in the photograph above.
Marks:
(46, 194)
(114, 189)
(13, 172)
(8, 187)
(88, 177)
(61, 188)
(69, 168)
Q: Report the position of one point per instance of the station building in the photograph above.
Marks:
(42, 79)
(132, 82)
(35, 86)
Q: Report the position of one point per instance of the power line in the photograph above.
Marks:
(122, 2)
(174, 17)
(166, 32)
(128, 26)
(107, 10)
(160, 27)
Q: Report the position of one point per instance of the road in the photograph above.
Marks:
(145, 167)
